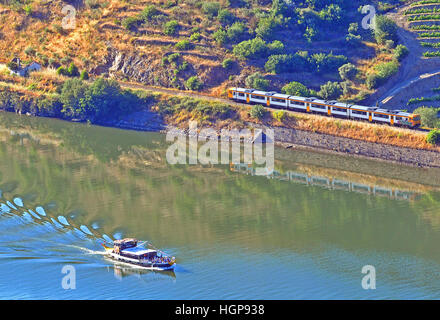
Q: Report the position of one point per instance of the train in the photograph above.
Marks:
(325, 107)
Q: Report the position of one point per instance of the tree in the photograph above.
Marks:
(428, 116)
(254, 48)
(73, 98)
(279, 63)
(384, 29)
(193, 83)
(103, 98)
(295, 88)
(257, 81)
(330, 90)
(347, 71)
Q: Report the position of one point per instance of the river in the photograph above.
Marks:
(305, 232)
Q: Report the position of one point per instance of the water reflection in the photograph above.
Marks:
(335, 183)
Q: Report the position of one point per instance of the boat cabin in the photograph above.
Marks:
(139, 253)
(124, 244)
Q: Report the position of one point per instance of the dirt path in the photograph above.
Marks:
(415, 73)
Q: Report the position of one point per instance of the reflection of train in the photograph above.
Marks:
(332, 183)
(330, 108)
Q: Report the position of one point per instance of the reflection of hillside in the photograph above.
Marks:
(352, 182)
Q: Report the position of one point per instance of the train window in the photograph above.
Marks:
(258, 97)
(318, 106)
(240, 94)
(297, 103)
(339, 109)
(378, 115)
(278, 100)
(361, 113)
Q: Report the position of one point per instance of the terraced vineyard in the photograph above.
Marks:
(424, 19)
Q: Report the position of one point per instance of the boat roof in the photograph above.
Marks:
(138, 251)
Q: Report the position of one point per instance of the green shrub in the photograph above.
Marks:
(131, 23)
(183, 45)
(211, 9)
(384, 29)
(433, 137)
(238, 31)
(330, 90)
(400, 52)
(428, 116)
(225, 17)
(347, 71)
(295, 88)
(196, 36)
(257, 48)
(171, 28)
(228, 63)
(257, 81)
(73, 70)
(257, 112)
(84, 75)
(194, 83)
(62, 71)
(149, 12)
(279, 115)
(220, 36)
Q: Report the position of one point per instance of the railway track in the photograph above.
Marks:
(130, 85)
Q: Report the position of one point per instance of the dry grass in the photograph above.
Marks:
(359, 130)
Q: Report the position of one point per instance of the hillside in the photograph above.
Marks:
(206, 46)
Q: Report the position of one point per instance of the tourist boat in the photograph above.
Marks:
(130, 252)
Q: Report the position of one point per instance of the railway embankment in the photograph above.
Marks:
(293, 138)
(343, 145)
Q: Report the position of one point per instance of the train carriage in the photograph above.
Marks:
(320, 106)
